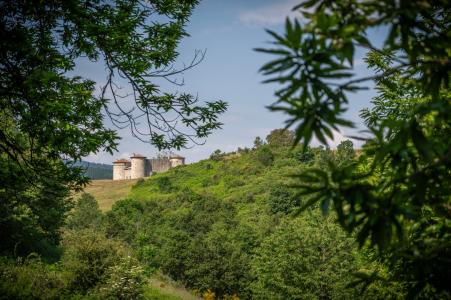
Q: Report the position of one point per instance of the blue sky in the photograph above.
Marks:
(229, 30)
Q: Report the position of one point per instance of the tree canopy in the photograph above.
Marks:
(52, 115)
(396, 196)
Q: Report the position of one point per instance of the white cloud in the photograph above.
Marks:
(272, 14)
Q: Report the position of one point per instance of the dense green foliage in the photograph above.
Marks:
(86, 214)
(242, 224)
(50, 113)
(32, 209)
(92, 266)
(227, 226)
(396, 198)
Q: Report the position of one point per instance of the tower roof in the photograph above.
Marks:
(176, 156)
(137, 155)
(121, 161)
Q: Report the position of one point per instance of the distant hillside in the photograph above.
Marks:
(96, 171)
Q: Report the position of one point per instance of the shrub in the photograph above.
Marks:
(124, 281)
(283, 199)
(306, 157)
(31, 278)
(139, 183)
(88, 256)
(265, 156)
(92, 267)
(233, 181)
(164, 184)
(210, 181)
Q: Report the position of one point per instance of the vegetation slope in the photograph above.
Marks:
(229, 227)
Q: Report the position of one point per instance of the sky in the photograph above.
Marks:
(229, 30)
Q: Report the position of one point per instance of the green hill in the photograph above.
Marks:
(229, 227)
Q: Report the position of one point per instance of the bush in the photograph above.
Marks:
(305, 157)
(139, 183)
(265, 156)
(93, 267)
(210, 181)
(88, 256)
(164, 184)
(283, 199)
(124, 281)
(31, 278)
(233, 182)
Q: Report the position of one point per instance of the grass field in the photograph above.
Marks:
(107, 192)
(162, 288)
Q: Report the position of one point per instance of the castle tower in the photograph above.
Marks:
(119, 169)
(176, 160)
(138, 168)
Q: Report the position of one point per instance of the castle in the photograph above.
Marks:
(140, 166)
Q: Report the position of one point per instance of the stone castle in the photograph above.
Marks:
(140, 166)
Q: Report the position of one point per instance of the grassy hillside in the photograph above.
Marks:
(162, 288)
(229, 227)
(107, 192)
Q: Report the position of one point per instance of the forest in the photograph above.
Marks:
(95, 170)
(287, 218)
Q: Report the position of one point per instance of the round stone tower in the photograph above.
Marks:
(119, 169)
(176, 160)
(138, 169)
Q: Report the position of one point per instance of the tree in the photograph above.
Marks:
(216, 155)
(48, 112)
(308, 258)
(258, 142)
(32, 208)
(396, 197)
(41, 43)
(86, 214)
(315, 60)
(280, 138)
(345, 152)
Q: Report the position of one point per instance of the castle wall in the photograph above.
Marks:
(148, 168)
(138, 167)
(160, 165)
(127, 172)
(119, 171)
